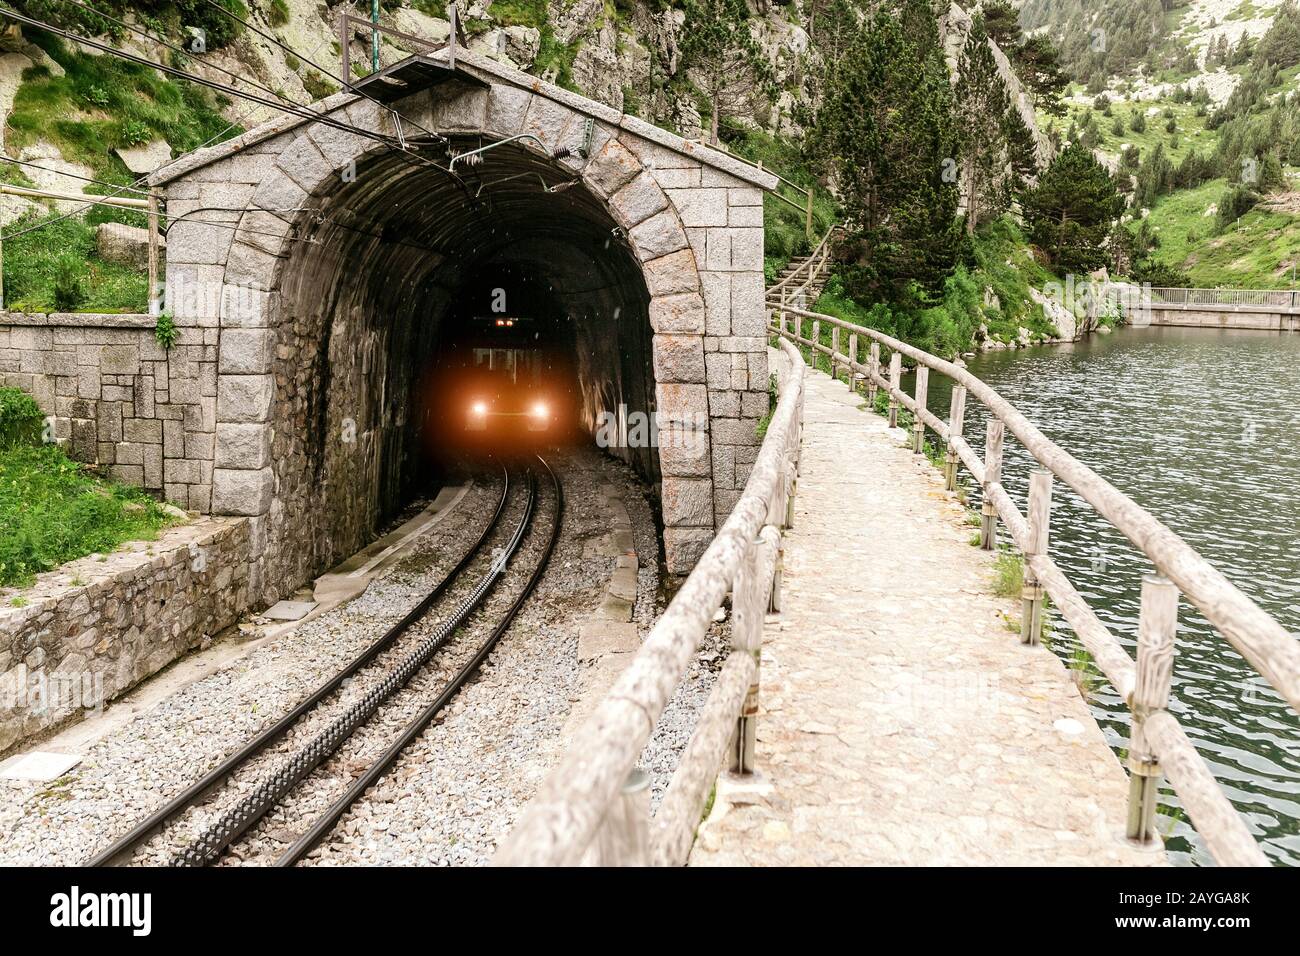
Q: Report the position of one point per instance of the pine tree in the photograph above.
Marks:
(983, 108)
(720, 54)
(886, 133)
(1070, 212)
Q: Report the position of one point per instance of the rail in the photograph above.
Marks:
(1157, 744)
(593, 807)
(1278, 298)
(816, 265)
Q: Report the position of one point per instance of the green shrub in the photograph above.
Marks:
(21, 419)
(133, 133)
(69, 289)
(279, 13)
(165, 331)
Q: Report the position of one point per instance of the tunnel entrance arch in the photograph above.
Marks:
(338, 261)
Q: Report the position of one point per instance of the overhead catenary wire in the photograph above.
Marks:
(293, 109)
(84, 179)
(140, 181)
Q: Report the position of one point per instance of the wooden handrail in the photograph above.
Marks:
(583, 796)
(819, 255)
(1260, 639)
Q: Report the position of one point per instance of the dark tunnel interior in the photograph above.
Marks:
(389, 288)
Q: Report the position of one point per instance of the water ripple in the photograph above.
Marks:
(1201, 428)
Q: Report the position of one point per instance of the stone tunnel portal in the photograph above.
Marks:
(317, 275)
(391, 271)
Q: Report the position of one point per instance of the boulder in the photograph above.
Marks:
(126, 245)
(146, 158)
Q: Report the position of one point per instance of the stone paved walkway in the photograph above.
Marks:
(903, 722)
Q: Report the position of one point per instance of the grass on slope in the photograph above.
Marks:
(54, 510)
(56, 269)
(99, 104)
(1002, 262)
(1255, 253)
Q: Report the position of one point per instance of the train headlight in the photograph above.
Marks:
(479, 409)
(540, 411)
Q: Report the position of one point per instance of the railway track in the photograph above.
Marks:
(396, 669)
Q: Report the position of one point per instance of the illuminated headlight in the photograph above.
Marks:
(540, 410)
(479, 408)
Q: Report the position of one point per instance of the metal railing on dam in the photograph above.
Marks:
(1158, 745)
(1260, 298)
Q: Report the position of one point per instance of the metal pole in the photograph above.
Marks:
(345, 53)
(155, 305)
(807, 222)
(374, 36)
(1157, 625)
(452, 18)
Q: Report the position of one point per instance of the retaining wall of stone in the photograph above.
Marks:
(118, 399)
(94, 628)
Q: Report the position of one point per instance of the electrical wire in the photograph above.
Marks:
(239, 118)
(345, 80)
(59, 172)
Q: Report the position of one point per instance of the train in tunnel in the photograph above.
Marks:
(502, 380)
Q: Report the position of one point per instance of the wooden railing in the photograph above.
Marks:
(1158, 744)
(593, 808)
(814, 267)
(1271, 298)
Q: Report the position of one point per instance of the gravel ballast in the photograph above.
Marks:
(459, 787)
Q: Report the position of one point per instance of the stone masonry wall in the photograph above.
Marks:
(97, 626)
(119, 399)
(693, 218)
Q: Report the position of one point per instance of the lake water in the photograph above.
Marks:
(1201, 428)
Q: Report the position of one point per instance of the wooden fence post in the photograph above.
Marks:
(1040, 510)
(817, 341)
(853, 362)
(749, 605)
(956, 425)
(873, 372)
(922, 396)
(895, 378)
(992, 476)
(835, 348)
(1157, 625)
(623, 838)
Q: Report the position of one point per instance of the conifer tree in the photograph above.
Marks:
(887, 134)
(722, 57)
(1070, 212)
(984, 120)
